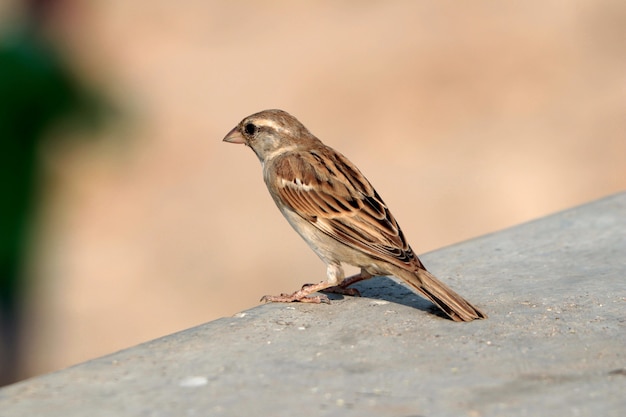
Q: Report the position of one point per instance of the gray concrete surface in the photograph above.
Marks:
(554, 345)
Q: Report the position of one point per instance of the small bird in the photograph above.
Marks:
(335, 209)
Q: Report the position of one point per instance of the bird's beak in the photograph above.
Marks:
(234, 136)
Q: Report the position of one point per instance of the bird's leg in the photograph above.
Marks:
(342, 288)
(335, 274)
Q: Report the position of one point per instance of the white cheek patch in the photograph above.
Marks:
(278, 150)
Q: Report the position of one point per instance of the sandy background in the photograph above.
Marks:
(468, 117)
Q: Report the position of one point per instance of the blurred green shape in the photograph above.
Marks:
(37, 90)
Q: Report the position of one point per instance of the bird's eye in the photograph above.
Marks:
(250, 129)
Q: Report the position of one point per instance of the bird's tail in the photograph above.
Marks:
(451, 303)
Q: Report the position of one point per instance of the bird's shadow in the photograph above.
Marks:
(387, 289)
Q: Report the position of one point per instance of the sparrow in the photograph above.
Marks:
(339, 214)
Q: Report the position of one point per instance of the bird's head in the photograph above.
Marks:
(270, 133)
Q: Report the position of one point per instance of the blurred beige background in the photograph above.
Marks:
(468, 117)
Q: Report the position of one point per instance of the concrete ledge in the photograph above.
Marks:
(554, 345)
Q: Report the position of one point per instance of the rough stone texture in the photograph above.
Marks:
(555, 343)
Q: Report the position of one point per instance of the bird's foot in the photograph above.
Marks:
(302, 296)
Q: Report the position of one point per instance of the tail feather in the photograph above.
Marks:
(451, 303)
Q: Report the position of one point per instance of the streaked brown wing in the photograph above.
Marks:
(335, 197)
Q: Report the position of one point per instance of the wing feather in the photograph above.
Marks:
(332, 194)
